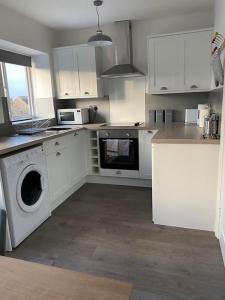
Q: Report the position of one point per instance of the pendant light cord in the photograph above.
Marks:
(98, 17)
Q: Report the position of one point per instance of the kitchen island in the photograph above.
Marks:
(184, 181)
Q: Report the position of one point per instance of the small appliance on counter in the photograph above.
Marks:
(191, 116)
(160, 116)
(211, 126)
(73, 116)
(203, 111)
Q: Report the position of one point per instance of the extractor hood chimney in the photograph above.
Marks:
(124, 53)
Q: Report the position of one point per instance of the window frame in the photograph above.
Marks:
(30, 93)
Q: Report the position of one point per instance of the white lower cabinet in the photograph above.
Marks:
(58, 176)
(145, 153)
(78, 154)
(66, 165)
(184, 185)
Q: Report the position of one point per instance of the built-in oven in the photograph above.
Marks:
(119, 151)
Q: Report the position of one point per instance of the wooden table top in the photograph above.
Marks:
(24, 280)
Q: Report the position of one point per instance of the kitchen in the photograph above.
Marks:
(127, 191)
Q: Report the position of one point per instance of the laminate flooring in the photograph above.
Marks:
(106, 230)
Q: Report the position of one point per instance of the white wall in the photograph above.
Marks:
(127, 100)
(24, 31)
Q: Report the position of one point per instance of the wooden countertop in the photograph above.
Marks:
(176, 133)
(24, 280)
(18, 142)
(179, 133)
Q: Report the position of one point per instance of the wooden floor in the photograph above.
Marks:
(107, 231)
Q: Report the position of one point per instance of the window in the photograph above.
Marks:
(17, 84)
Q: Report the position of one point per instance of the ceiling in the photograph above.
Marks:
(62, 14)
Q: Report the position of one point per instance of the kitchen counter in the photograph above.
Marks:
(25, 280)
(179, 133)
(18, 142)
(176, 133)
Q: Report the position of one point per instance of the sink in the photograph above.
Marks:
(58, 128)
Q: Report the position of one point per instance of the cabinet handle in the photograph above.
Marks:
(150, 131)
(164, 88)
(58, 153)
(118, 172)
(66, 94)
(57, 144)
(86, 93)
(194, 86)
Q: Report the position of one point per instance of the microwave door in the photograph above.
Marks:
(67, 117)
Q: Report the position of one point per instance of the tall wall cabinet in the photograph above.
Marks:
(76, 72)
(180, 62)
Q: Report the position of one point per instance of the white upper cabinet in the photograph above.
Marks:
(166, 63)
(197, 60)
(66, 73)
(75, 72)
(87, 71)
(180, 62)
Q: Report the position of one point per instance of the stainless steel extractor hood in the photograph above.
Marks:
(124, 53)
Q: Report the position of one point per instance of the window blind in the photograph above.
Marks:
(15, 58)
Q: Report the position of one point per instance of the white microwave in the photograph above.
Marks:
(73, 116)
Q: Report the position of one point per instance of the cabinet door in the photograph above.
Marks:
(87, 71)
(66, 69)
(198, 74)
(57, 166)
(166, 64)
(145, 153)
(77, 157)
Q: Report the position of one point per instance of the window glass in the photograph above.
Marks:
(17, 86)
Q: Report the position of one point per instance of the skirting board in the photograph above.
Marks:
(222, 245)
(119, 181)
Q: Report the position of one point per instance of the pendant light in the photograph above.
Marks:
(100, 39)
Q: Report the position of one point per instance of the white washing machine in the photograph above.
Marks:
(24, 176)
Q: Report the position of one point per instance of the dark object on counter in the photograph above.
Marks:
(2, 231)
(93, 109)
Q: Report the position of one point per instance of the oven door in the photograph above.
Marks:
(119, 153)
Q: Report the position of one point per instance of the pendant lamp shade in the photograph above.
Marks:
(99, 39)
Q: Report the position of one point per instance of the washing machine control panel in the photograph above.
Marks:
(23, 157)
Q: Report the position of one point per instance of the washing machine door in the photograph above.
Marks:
(30, 189)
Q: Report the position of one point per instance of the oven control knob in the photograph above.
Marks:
(107, 134)
(128, 134)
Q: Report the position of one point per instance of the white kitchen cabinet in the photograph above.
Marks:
(77, 156)
(180, 62)
(66, 73)
(66, 158)
(76, 72)
(145, 153)
(87, 71)
(197, 60)
(184, 185)
(58, 175)
(166, 60)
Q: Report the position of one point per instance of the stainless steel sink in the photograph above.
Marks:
(58, 128)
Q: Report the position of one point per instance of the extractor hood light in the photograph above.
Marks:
(100, 39)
